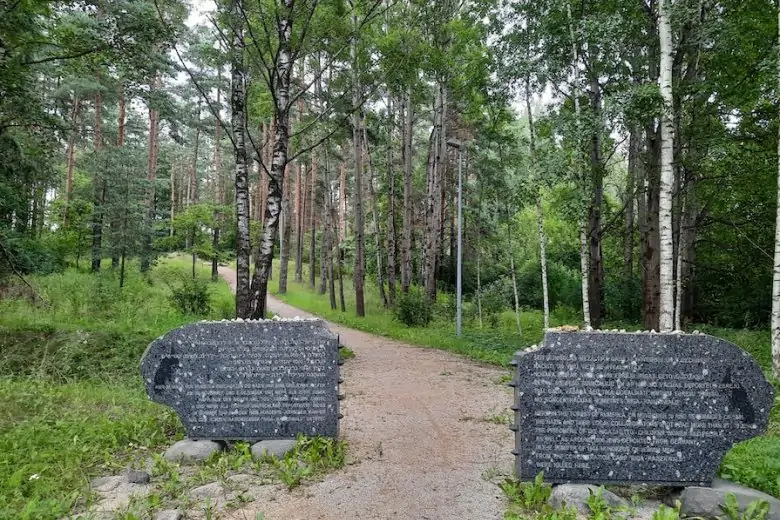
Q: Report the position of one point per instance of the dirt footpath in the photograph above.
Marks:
(426, 432)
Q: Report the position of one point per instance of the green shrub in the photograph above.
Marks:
(191, 297)
(414, 309)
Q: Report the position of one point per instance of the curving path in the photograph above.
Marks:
(424, 437)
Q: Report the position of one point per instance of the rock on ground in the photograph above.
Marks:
(276, 448)
(576, 496)
(706, 502)
(138, 477)
(106, 484)
(188, 450)
(168, 514)
(213, 491)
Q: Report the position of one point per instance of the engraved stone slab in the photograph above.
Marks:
(611, 408)
(247, 380)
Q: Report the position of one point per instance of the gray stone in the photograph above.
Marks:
(576, 496)
(273, 448)
(626, 408)
(213, 491)
(168, 514)
(188, 450)
(106, 484)
(247, 380)
(706, 502)
(138, 477)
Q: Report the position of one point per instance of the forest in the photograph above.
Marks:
(616, 163)
(328, 134)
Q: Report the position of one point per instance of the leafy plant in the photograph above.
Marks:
(756, 510)
(413, 309)
(668, 513)
(531, 496)
(191, 297)
(599, 507)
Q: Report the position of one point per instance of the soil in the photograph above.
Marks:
(427, 431)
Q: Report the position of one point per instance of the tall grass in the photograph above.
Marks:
(72, 403)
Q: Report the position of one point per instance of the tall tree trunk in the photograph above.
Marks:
(340, 261)
(312, 226)
(281, 133)
(120, 142)
(596, 281)
(342, 201)
(775, 321)
(70, 159)
(218, 190)
(375, 214)
(584, 257)
(328, 229)
(539, 209)
(681, 251)
(324, 241)
(244, 301)
(284, 256)
(172, 185)
(513, 274)
(390, 205)
(406, 244)
(357, 125)
(120, 139)
(433, 208)
(99, 189)
(667, 171)
(151, 178)
(299, 220)
(628, 239)
(192, 190)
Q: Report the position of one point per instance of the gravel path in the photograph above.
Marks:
(424, 431)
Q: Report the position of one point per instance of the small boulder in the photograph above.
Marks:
(138, 477)
(168, 514)
(212, 491)
(276, 448)
(106, 484)
(576, 496)
(706, 502)
(187, 451)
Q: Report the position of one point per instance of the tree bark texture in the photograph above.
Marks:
(151, 178)
(70, 159)
(238, 118)
(667, 171)
(391, 281)
(408, 223)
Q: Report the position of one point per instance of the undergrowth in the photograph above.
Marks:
(72, 404)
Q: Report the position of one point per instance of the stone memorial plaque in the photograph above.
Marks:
(247, 380)
(611, 408)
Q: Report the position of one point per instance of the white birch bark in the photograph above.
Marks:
(584, 259)
(775, 321)
(667, 171)
(681, 246)
(539, 212)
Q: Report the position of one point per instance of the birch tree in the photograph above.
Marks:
(667, 171)
(775, 321)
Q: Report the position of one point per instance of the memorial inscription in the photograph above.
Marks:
(247, 380)
(600, 407)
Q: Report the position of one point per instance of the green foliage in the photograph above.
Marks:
(531, 496)
(311, 456)
(757, 510)
(72, 405)
(413, 309)
(191, 296)
(668, 513)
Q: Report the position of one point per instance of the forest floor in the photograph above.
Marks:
(427, 431)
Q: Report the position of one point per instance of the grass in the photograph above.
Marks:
(755, 463)
(72, 403)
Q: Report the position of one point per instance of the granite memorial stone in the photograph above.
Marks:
(623, 408)
(247, 380)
